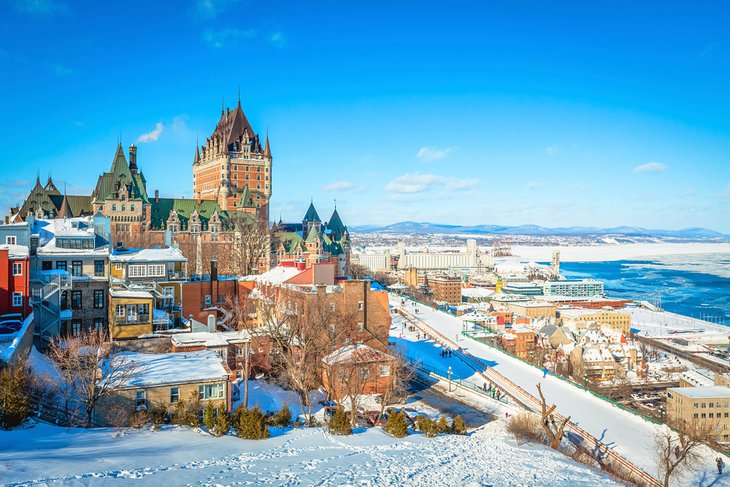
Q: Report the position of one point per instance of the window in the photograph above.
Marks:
(696, 405)
(696, 415)
(61, 265)
(75, 328)
(360, 305)
(98, 298)
(75, 299)
(704, 405)
(384, 370)
(98, 268)
(11, 239)
(46, 265)
(174, 395)
(712, 415)
(76, 267)
(137, 270)
(99, 324)
(156, 270)
(17, 269)
(114, 207)
(364, 372)
(17, 300)
(118, 266)
(360, 327)
(144, 309)
(211, 391)
(131, 207)
(124, 207)
(141, 399)
(208, 299)
(704, 415)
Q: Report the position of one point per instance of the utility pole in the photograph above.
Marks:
(245, 373)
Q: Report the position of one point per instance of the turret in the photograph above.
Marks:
(133, 159)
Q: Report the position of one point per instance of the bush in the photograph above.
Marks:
(442, 425)
(282, 418)
(209, 416)
(427, 426)
(250, 424)
(159, 416)
(139, 418)
(222, 422)
(15, 388)
(396, 425)
(180, 418)
(457, 426)
(526, 427)
(193, 409)
(339, 424)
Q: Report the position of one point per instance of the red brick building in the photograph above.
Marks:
(14, 280)
(357, 369)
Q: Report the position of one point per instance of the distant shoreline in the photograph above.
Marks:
(604, 253)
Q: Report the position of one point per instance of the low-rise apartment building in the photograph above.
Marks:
(581, 318)
(446, 289)
(700, 407)
(574, 288)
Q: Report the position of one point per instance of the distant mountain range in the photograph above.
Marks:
(437, 228)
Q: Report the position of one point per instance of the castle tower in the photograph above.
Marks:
(231, 162)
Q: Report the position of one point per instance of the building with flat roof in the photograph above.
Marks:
(446, 289)
(574, 288)
(706, 406)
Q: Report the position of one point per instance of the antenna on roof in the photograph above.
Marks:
(335, 203)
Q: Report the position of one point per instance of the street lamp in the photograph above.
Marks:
(450, 372)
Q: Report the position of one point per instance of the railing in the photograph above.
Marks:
(138, 319)
(532, 403)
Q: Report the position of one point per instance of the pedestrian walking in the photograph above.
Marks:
(720, 465)
(484, 387)
(544, 372)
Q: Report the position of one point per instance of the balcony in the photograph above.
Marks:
(138, 319)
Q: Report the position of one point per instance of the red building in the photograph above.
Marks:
(14, 280)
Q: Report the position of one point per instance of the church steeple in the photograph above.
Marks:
(267, 149)
(196, 160)
(65, 210)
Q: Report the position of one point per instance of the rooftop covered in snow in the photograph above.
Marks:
(156, 369)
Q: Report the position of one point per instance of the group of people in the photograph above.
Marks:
(492, 391)
(446, 353)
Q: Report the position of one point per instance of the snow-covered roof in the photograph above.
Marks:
(9, 342)
(208, 339)
(597, 354)
(476, 292)
(277, 275)
(169, 254)
(16, 251)
(476, 316)
(357, 354)
(126, 293)
(704, 392)
(173, 368)
(697, 379)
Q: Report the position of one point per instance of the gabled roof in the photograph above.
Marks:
(356, 354)
(184, 207)
(311, 215)
(120, 173)
(80, 205)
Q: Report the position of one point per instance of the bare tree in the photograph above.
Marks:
(348, 377)
(243, 311)
(680, 452)
(401, 374)
(89, 370)
(303, 332)
(358, 271)
(553, 429)
(252, 243)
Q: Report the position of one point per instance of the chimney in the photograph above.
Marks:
(133, 159)
(211, 323)
(157, 196)
(213, 269)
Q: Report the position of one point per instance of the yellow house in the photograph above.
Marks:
(581, 318)
(130, 313)
(161, 380)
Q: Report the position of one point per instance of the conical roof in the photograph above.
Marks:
(65, 210)
(311, 215)
(336, 226)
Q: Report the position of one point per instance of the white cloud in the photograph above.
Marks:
(211, 8)
(417, 183)
(551, 150)
(430, 154)
(533, 185)
(278, 39)
(153, 135)
(338, 186)
(226, 37)
(650, 167)
(690, 192)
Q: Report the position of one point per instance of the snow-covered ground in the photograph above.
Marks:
(629, 251)
(628, 434)
(52, 456)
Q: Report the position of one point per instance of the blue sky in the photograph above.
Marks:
(606, 114)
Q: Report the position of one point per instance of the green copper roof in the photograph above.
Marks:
(311, 215)
(336, 226)
(184, 207)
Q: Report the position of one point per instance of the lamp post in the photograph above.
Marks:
(450, 372)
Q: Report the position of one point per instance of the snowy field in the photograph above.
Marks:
(629, 251)
(628, 434)
(52, 456)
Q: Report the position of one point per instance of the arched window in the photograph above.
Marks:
(114, 207)
(124, 207)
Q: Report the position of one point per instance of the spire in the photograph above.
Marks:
(38, 178)
(267, 149)
(197, 152)
(65, 210)
(223, 106)
(239, 96)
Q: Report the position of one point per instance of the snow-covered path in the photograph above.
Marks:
(628, 434)
(52, 456)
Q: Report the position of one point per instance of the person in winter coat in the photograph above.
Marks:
(720, 465)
